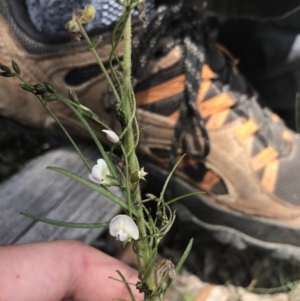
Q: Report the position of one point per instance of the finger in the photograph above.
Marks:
(92, 278)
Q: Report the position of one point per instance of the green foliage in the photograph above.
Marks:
(65, 224)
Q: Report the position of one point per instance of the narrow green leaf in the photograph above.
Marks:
(181, 261)
(66, 133)
(93, 186)
(169, 177)
(65, 224)
(184, 196)
(127, 285)
(184, 255)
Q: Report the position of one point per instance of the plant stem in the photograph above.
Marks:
(86, 37)
(127, 104)
(127, 108)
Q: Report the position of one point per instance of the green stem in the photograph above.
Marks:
(86, 37)
(127, 108)
(127, 183)
(110, 165)
(59, 123)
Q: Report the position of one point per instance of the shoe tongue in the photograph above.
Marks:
(216, 60)
(222, 66)
(237, 83)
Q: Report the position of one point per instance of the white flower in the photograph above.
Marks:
(123, 227)
(99, 172)
(111, 136)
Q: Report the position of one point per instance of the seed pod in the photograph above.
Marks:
(16, 67)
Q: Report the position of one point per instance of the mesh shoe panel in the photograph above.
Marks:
(50, 17)
(287, 185)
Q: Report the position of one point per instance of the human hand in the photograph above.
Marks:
(61, 270)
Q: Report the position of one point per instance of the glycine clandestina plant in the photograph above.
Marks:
(136, 224)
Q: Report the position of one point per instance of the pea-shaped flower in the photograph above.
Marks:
(123, 228)
(88, 14)
(72, 25)
(111, 136)
(100, 172)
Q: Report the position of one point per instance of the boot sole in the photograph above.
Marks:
(232, 227)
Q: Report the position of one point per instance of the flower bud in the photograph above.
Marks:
(85, 108)
(4, 68)
(111, 136)
(72, 26)
(28, 88)
(50, 98)
(7, 74)
(73, 96)
(49, 87)
(88, 14)
(40, 88)
(16, 67)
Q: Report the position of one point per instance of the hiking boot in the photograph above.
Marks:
(47, 58)
(241, 154)
(195, 102)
